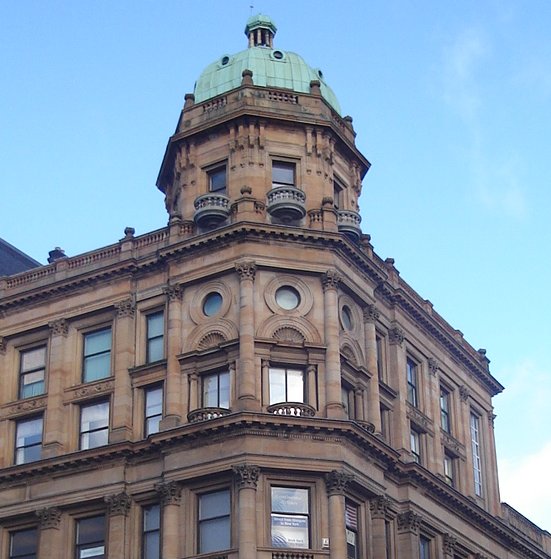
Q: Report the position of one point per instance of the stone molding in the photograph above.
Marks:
(173, 292)
(337, 482)
(331, 279)
(449, 543)
(433, 366)
(169, 492)
(379, 506)
(118, 504)
(246, 475)
(409, 521)
(31, 404)
(451, 443)
(371, 314)
(92, 389)
(59, 327)
(125, 308)
(246, 270)
(49, 517)
(396, 336)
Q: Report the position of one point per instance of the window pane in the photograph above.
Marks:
(214, 535)
(152, 517)
(152, 545)
(95, 416)
(210, 391)
(97, 366)
(33, 359)
(289, 499)
(24, 544)
(153, 401)
(212, 303)
(277, 386)
(283, 173)
(295, 386)
(155, 325)
(214, 504)
(289, 531)
(91, 530)
(155, 350)
(287, 297)
(28, 441)
(97, 342)
(224, 387)
(217, 179)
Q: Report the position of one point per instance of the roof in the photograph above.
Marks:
(13, 261)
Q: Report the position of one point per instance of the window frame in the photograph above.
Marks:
(24, 447)
(338, 194)
(445, 410)
(214, 171)
(291, 514)
(150, 339)
(85, 356)
(146, 532)
(80, 546)
(412, 379)
(450, 469)
(355, 530)
(283, 163)
(287, 368)
(82, 432)
(147, 390)
(415, 444)
(202, 522)
(476, 444)
(31, 371)
(26, 554)
(216, 374)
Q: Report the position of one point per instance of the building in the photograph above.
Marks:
(251, 381)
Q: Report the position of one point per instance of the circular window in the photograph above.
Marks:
(287, 297)
(212, 303)
(346, 317)
(278, 55)
(225, 60)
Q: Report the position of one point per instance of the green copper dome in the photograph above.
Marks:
(270, 67)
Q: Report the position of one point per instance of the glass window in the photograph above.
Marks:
(411, 369)
(217, 179)
(337, 195)
(214, 521)
(449, 470)
(155, 337)
(283, 173)
(24, 544)
(445, 410)
(475, 445)
(28, 440)
(424, 548)
(290, 517)
(351, 523)
(212, 303)
(216, 390)
(94, 425)
(151, 543)
(287, 297)
(153, 409)
(97, 355)
(415, 442)
(90, 537)
(380, 358)
(385, 423)
(346, 317)
(32, 371)
(347, 397)
(286, 385)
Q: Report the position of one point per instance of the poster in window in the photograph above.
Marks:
(289, 531)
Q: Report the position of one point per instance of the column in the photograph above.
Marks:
(123, 356)
(246, 382)
(170, 495)
(436, 457)
(490, 470)
(408, 535)
(466, 480)
(397, 370)
(246, 478)
(371, 315)
(334, 407)
(49, 521)
(336, 483)
(379, 507)
(118, 507)
(173, 388)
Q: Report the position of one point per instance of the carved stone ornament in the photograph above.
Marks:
(449, 544)
(396, 336)
(246, 270)
(27, 405)
(491, 418)
(94, 389)
(174, 292)
(337, 482)
(433, 366)
(379, 506)
(118, 504)
(49, 517)
(246, 475)
(2, 345)
(371, 314)
(409, 522)
(125, 308)
(169, 492)
(331, 279)
(464, 393)
(59, 327)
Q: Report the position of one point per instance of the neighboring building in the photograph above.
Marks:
(13, 261)
(251, 381)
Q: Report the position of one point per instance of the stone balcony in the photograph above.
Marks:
(211, 210)
(297, 409)
(286, 203)
(204, 414)
(348, 223)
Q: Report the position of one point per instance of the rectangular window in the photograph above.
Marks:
(347, 397)
(445, 420)
(286, 385)
(153, 409)
(90, 538)
(475, 445)
(351, 523)
(290, 517)
(155, 337)
(380, 358)
(94, 425)
(283, 173)
(338, 192)
(24, 544)
(151, 540)
(415, 443)
(217, 179)
(214, 521)
(28, 440)
(216, 390)
(411, 369)
(32, 371)
(385, 423)
(449, 469)
(97, 355)
(424, 548)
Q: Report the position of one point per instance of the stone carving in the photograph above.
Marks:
(49, 517)
(433, 366)
(169, 492)
(27, 405)
(100, 388)
(379, 506)
(59, 327)
(246, 270)
(289, 334)
(246, 475)
(125, 308)
(396, 336)
(464, 393)
(173, 292)
(118, 504)
(337, 482)
(371, 314)
(409, 522)
(212, 339)
(491, 418)
(449, 544)
(331, 279)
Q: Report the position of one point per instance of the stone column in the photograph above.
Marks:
(311, 386)
(408, 535)
(489, 451)
(336, 483)
(118, 507)
(170, 495)
(54, 424)
(49, 521)
(371, 315)
(397, 370)
(334, 407)
(123, 357)
(246, 478)
(449, 542)
(379, 507)
(173, 384)
(466, 481)
(246, 383)
(435, 459)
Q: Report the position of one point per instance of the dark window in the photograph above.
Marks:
(24, 544)
(216, 390)
(155, 337)
(351, 522)
(32, 371)
(90, 538)
(97, 355)
(151, 543)
(94, 425)
(283, 173)
(28, 440)
(449, 469)
(290, 518)
(214, 521)
(153, 409)
(212, 303)
(411, 369)
(380, 358)
(286, 385)
(217, 179)
(347, 397)
(338, 191)
(415, 443)
(445, 410)
(424, 548)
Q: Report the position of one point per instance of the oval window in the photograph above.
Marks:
(287, 297)
(346, 317)
(225, 60)
(278, 55)
(212, 303)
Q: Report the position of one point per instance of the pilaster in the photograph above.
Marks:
(49, 523)
(170, 495)
(246, 479)
(118, 507)
(336, 483)
(371, 315)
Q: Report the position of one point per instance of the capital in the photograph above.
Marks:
(409, 522)
(379, 506)
(433, 366)
(371, 314)
(396, 336)
(169, 492)
(59, 327)
(49, 517)
(464, 393)
(246, 270)
(118, 504)
(449, 544)
(331, 279)
(173, 292)
(246, 475)
(125, 308)
(337, 482)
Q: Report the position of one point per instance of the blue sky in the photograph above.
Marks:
(452, 106)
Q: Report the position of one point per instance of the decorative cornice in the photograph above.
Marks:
(433, 366)
(118, 504)
(337, 482)
(379, 506)
(246, 270)
(59, 327)
(396, 336)
(174, 292)
(449, 543)
(464, 393)
(169, 492)
(371, 314)
(126, 308)
(246, 475)
(331, 279)
(49, 517)
(409, 522)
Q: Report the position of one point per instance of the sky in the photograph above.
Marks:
(451, 103)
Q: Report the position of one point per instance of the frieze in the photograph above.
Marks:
(246, 475)
(396, 336)
(126, 308)
(371, 314)
(246, 270)
(24, 406)
(337, 482)
(118, 504)
(408, 522)
(92, 389)
(49, 517)
(59, 327)
(331, 279)
(379, 506)
(169, 492)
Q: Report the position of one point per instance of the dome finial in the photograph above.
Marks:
(260, 29)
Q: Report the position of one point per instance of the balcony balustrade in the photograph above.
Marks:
(211, 209)
(286, 203)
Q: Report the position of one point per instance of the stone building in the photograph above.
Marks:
(251, 381)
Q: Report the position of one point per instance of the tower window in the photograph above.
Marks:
(151, 538)
(283, 173)
(153, 409)
(94, 425)
(155, 336)
(217, 179)
(212, 303)
(216, 390)
(445, 421)
(415, 443)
